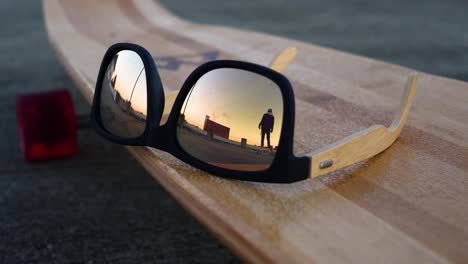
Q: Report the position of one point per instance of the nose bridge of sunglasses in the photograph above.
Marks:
(279, 64)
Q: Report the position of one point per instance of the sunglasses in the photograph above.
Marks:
(233, 119)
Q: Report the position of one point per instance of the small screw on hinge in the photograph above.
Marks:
(325, 164)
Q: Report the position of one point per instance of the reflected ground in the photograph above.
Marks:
(222, 152)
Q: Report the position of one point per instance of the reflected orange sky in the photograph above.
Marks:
(127, 69)
(236, 99)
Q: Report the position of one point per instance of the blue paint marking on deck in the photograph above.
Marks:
(175, 62)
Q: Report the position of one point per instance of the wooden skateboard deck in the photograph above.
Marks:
(407, 204)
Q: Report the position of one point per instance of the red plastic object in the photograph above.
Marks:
(46, 125)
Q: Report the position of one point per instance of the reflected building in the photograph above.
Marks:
(216, 128)
(115, 94)
(125, 105)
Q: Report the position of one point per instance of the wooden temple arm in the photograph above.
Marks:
(364, 144)
(283, 59)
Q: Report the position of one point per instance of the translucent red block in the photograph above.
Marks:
(46, 125)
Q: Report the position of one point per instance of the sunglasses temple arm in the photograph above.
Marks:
(364, 144)
(283, 59)
(169, 99)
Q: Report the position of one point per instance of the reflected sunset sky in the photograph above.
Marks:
(127, 69)
(236, 99)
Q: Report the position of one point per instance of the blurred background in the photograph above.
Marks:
(66, 210)
(429, 36)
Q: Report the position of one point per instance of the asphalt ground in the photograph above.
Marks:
(101, 206)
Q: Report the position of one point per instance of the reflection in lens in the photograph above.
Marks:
(123, 95)
(232, 119)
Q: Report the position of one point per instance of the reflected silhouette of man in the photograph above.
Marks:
(266, 124)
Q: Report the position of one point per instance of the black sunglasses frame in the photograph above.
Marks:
(285, 167)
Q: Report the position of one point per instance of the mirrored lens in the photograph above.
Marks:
(123, 95)
(232, 119)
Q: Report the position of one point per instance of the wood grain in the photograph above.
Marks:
(406, 205)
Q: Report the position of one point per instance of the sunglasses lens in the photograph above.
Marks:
(123, 96)
(232, 119)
